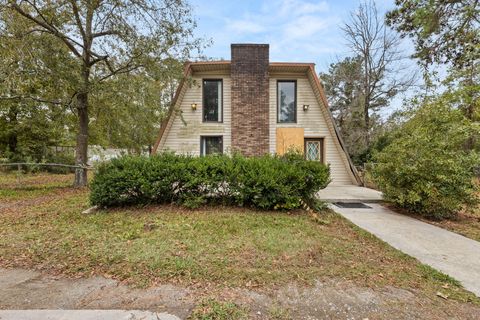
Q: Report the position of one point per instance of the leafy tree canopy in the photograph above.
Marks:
(443, 31)
(107, 59)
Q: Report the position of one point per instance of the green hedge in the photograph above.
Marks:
(267, 182)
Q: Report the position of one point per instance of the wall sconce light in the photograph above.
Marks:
(305, 107)
(194, 106)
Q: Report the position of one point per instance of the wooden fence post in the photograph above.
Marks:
(19, 168)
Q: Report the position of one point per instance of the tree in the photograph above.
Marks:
(443, 31)
(342, 84)
(425, 168)
(127, 110)
(108, 38)
(383, 74)
(343, 88)
(446, 32)
(32, 116)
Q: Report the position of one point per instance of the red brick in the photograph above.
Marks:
(250, 98)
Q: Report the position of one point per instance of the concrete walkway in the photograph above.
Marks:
(448, 252)
(349, 193)
(83, 315)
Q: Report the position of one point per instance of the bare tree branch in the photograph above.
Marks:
(377, 48)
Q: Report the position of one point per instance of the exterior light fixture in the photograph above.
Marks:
(194, 106)
(305, 107)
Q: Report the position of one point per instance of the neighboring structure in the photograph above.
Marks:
(254, 106)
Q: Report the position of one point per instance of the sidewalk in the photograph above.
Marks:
(448, 252)
(83, 315)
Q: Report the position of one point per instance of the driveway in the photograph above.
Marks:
(448, 252)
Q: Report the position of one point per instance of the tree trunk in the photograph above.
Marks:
(13, 136)
(81, 150)
(366, 92)
(470, 108)
(367, 124)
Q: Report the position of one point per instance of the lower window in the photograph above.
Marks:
(314, 149)
(211, 145)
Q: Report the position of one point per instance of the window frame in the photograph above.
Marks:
(202, 150)
(203, 100)
(322, 148)
(278, 101)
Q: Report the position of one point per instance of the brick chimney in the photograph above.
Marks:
(250, 98)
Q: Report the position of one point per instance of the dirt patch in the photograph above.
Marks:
(24, 289)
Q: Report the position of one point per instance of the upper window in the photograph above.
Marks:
(212, 100)
(287, 101)
(211, 145)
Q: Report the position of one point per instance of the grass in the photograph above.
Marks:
(220, 247)
(15, 186)
(211, 309)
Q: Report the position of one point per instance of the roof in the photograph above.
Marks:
(225, 65)
(293, 67)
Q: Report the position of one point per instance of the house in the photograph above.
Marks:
(254, 106)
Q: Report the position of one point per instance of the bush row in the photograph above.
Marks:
(267, 182)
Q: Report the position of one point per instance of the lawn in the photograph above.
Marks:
(15, 186)
(211, 247)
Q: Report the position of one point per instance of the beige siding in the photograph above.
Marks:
(314, 123)
(184, 136)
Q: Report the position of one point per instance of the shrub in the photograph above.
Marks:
(267, 182)
(427, 169)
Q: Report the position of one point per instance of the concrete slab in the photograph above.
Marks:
(84, 315)
(349, 193)
(448, 252)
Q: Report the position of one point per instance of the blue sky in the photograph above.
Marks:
(297, 30)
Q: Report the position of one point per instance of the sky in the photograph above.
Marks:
(297, 30)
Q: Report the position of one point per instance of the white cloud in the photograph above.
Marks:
(294, 8)
(300, 16)
(245, 26)
(304, 27)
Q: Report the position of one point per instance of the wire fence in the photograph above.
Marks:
(35, 164)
